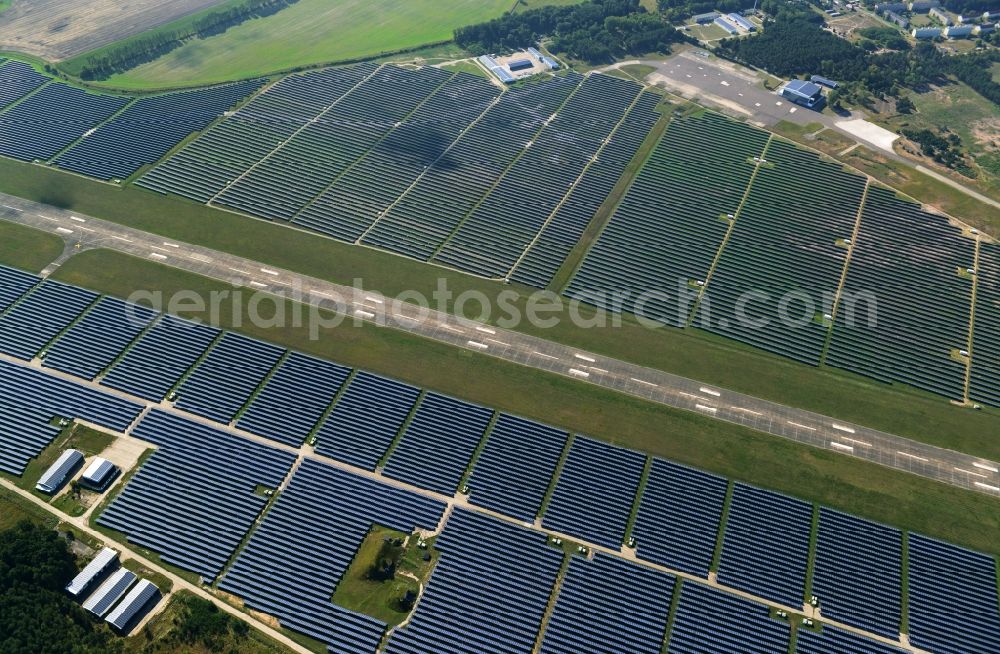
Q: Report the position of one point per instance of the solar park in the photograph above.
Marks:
(706, 561)
(503, 183)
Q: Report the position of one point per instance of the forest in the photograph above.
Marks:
(597, 31)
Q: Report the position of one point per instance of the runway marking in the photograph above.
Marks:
(643, 381)
(481, 346)
(486, 330)
(63, 230)
(364, 314)
(801, 426)
(912, 456)
(7, 206)
(584, 358)
(242, 272)
(686, 394)
(988, 487)
(493, 340)
(77, 219)
(46, 217)
(969, 472)
(200, 257)
(170, 245)
(983, 466)
(156, 255)
(86, 229)
(745, 410)
(709, 391)
(122, 238)
(257, 284)
(451, 329)
(542, 354)
(576, 372)
(372, 298)
(156, 247)
(856, 442)
(600, 370)
(268, 271)
(321, 294)
(710, 409)
(841, 446)
(849, 430)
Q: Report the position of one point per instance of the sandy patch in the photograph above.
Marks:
(869, 132)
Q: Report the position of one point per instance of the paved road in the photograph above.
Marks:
(451, 502)
(798, 425)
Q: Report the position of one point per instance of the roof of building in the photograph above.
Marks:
(550, 62)
(110, 592)
(710, 15)
(819, 79)
(803, 88)
(929, 32)
(959, 30)
(520, 63)
(741, 21)
(534, 53)
(56, 474)
(724, 24)
(133, 603)
(91, 571)
(98, 470)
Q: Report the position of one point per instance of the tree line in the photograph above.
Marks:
(146, 47)
(597, 31)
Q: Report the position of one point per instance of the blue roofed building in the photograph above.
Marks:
(741, 23)
(725, 24)
(803, 93)
(56, 475)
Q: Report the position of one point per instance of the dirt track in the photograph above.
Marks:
(59, 29)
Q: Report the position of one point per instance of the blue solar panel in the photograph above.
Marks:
(13, 284)
(294, 399)
(515, 468)
(227, 377)
(160, 358)
(953, 599)
(439, 443)
(837, 641)
(594, 496)
(766, 547)
(99, 338)
(294, 561)
(18, 79)
(858, 572)
(679, 517)
(30, 399)
(194, 500)
(488, 592)
(38, 318)
(609, 605)
(365, 421)
(709, 621)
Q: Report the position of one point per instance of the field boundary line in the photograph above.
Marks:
(576, 182)
(281, 146)
(972, 321)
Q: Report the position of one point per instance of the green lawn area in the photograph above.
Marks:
(311, 32)
(848, 484)
(996, 72)
(690, 353)
(14, 508)
(27, 248)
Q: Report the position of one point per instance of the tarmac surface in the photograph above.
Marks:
(948, 466)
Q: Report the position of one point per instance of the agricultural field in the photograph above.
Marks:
(311, 32)
(56, 29)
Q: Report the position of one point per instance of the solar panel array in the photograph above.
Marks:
(44, 124)
(494, 235)
(595, 492)
(561, 234)
(858, 572)
(421, 220)
(40, 316)
(30, 399)
(227, 377)
(294, 399)
(766, 546)
(984, 382)
(313, 158)
(194, 500)
(679, 517)
(910, 261)
(92, 344)
(149, 128)
(609, 605)
(438, 444)
(358, 198)
(204, 167)
(787, 246)
(832, 640)
(515, 468)
(295, 559)
(709, 621)
(952, 599)
(14, 284)
(488, 592)
(671, 223)
(160, 358)
(366, 420)
(18, 79)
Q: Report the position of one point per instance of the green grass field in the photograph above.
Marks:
(311, 32)
(879, 493)
(27, 248)
(693, 354)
